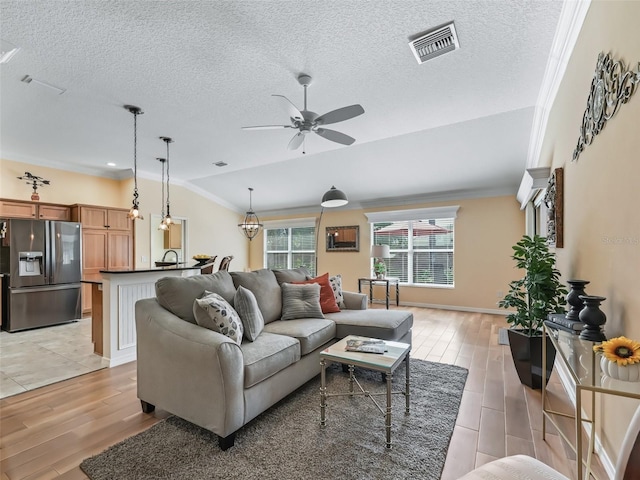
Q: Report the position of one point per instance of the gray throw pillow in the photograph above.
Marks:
(301, 301)
(215, 313)
(264, 286)
(336, 286)
(290, 275)
(247, 307)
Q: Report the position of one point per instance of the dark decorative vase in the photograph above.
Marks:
(527, 357)
(573, 298)
(593, 318)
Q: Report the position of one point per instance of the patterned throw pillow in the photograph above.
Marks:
(215, 313)
(327, 298)
(336, 286)
(247, 307)
(301, 301)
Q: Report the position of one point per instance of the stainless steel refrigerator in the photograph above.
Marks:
(42, 259)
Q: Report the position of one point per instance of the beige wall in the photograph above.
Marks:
(602, 224)
(485, 230)
(212, 228)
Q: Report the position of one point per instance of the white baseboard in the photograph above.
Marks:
(450, 307)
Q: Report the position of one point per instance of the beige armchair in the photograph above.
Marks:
(524, 467)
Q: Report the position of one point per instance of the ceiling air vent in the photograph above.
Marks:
(221, 164)
(435, 43)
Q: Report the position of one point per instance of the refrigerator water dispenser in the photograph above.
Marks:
(30, 264)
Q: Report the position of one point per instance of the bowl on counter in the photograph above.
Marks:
(201, 260)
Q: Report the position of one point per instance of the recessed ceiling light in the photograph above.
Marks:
(7, 51)
(111, 164)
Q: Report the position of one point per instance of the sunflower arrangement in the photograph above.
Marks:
(621, 350)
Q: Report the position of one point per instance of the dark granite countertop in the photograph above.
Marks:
(154, 269)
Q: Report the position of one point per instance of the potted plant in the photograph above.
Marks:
(534, 297)
(379, 268)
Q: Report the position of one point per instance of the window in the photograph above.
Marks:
(290, 247)
(421, 250)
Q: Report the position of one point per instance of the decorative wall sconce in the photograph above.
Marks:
(612, 85)
(554, 200)
(35, 182)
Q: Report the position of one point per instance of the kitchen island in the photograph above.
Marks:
(120, 291)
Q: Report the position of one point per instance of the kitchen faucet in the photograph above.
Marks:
(168, 251)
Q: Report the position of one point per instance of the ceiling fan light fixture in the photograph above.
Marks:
(334, 198)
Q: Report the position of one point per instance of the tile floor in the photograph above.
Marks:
(35, 358)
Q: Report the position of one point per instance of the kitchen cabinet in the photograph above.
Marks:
(173, 236)
(42, 211)
(107, 243)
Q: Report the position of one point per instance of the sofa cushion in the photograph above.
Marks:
(291, 275)
(247, 307)
(336, 286)
(327, 299)
(268, 355)
(177, 294)
(265, 287)
(301, 301)
(310, 332)
(215, 313)
(373, 323)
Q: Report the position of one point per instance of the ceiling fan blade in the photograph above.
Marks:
(335, 136)
(340, 115)
(296, 141)
(266, 127)
(289, 107)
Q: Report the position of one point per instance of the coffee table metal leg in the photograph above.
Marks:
(388, 413)
(407, 395)
(351, 380)
(323, 392)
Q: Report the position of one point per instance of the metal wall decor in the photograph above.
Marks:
(554, 200)
(35, 182)
(612, 85)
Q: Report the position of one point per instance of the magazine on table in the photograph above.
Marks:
(366, 346)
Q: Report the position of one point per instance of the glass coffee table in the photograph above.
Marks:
(386, 363)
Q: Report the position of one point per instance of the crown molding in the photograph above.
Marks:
(569, 25)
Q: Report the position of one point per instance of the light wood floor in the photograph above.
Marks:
(47, 432)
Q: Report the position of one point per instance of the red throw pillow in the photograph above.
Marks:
(327, 299)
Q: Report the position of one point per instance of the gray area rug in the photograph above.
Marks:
(286, 442)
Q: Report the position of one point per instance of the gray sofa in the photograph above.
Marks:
(209, 380)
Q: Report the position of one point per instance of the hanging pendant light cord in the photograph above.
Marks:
(168, 141)
(162, 161)
(135, 159)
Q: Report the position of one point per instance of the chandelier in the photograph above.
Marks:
(250, 226)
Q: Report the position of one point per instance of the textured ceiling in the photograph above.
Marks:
(203, 69)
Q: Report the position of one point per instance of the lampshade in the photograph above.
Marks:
(380, 251)
(334, 198)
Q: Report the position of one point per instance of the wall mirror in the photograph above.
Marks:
(343, 239)
(161, 241)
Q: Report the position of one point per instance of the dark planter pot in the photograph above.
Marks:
(527, 357)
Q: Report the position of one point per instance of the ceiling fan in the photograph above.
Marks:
(306, 121)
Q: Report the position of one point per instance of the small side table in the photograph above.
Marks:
(381, 281)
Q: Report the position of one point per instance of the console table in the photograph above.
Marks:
(381, 281)
(583, 364)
